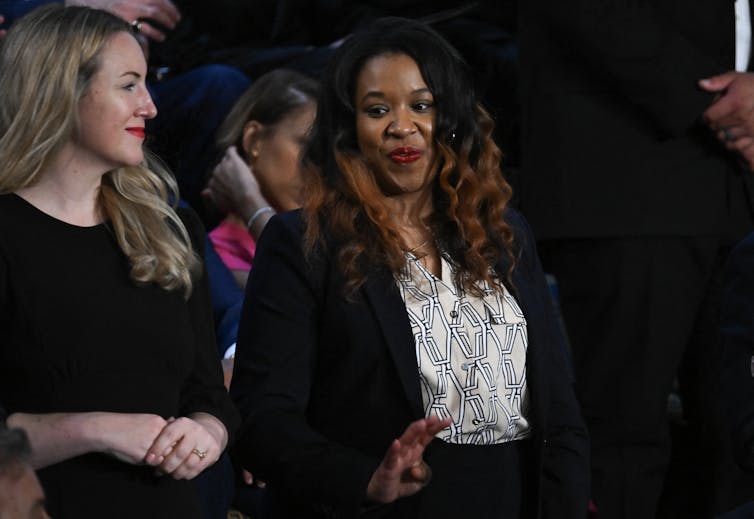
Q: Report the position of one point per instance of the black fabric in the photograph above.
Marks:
(647, 300)
(463, 490)
(77, 335)
(637, 201)
(613, 143)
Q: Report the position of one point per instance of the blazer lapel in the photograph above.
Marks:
(390, 312)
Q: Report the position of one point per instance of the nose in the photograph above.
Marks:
(401, 125)
(147, 109)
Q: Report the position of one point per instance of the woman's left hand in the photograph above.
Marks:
(188, 445)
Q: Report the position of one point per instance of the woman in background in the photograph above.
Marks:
(398, 353)
(107, 355)
(259, 173)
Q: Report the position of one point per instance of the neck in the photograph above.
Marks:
(66, 191)
(410, 211)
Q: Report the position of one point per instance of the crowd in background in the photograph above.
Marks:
(625, 137)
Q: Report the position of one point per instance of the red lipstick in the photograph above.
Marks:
(137, 131)
(405, 155)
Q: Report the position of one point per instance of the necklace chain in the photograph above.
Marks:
(415, 248)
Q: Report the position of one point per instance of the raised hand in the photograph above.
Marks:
(403, 471)
(232, 186)
(234, 189)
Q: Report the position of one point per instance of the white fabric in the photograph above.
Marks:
(743, 35)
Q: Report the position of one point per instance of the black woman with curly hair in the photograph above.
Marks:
(398, 353)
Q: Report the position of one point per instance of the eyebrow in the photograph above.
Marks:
(377, 93)
(131, 73)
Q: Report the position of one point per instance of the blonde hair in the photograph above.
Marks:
(270, 99)
(47, 61)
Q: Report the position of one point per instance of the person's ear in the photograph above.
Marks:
(252, 136)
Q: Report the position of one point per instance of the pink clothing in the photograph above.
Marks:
(234, 245)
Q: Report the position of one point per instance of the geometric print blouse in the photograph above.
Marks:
(471, 353)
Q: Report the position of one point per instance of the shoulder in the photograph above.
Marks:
(19, 220)
(524, 245)
(10, 205)
(285, 229)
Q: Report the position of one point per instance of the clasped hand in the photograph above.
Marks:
(181, 447)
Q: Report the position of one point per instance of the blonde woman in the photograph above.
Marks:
(107, 357)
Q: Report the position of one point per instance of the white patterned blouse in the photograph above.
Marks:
(471, 353)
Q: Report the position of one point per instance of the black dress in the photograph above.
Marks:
(77, 335)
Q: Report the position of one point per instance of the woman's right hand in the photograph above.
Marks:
(128, 437)
(233, 187)
(403, 471)
(56, 437)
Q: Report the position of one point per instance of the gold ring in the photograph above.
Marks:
(199, 453)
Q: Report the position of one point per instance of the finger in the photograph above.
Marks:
(392, 457)
(190, 467)
(151, 32)
(720, 114)
(728, 134)
(165, 12)
(166, 441)
(740, 144)
(421, 473)
(413, 433)
(247, 477)
(718, 83)
(434, 428)
(179, 454)
(232, 152)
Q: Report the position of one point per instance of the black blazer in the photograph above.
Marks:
(612, 139)
(324, 385)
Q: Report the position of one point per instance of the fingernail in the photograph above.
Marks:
(150, 458)
(160, 460)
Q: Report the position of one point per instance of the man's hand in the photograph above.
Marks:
(142, 11)
(731, 115)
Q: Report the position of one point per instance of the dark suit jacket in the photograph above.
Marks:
(325, 384)
(612, 142)
(737, 332)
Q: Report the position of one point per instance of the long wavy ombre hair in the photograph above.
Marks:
(47, 62)
(345, 203)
